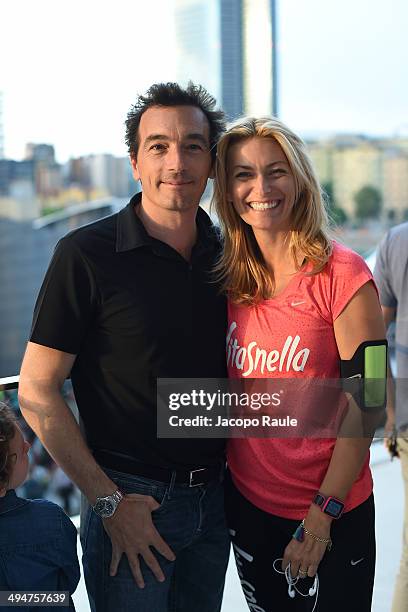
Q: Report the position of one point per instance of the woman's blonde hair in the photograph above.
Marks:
(241, 267)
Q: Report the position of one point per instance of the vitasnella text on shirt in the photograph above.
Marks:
(254, 358)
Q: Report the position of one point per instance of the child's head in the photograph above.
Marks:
(13, 452)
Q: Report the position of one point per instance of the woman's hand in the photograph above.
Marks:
(304, 557)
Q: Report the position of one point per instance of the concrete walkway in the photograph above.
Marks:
(389, 511)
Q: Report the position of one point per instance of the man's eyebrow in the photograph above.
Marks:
(282, 161)
(154, 137)
(191, 136)
(199, 137)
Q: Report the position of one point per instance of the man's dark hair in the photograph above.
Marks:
(171, 94)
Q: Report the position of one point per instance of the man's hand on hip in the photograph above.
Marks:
(132, 533)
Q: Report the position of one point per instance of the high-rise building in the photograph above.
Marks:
(259, 51)
(11, 171)
(197, 30)
(76, 173)
(101, 169)
(229, 46)
(40, 152)
(110, 175)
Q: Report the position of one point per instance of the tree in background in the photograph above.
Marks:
(368, 202)
(336, 214)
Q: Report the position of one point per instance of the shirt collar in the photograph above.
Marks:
(131, 233)
(11, 502)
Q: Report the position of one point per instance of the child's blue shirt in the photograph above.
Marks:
(38, 547)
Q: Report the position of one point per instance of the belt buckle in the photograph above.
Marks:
(197, 484)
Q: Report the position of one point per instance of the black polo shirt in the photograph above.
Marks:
(133, 309)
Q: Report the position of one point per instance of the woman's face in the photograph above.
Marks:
(260, 184)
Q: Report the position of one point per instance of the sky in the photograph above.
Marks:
(69, 71)
(343, 65)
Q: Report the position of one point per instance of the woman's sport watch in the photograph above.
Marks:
(105, 507)
(329, 505)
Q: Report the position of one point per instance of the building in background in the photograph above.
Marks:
(110, 175)
(356, 166)
(25, 251)
(198, 43)
(38, 185)
(18, 197)
(47, 172)
(321, 152)
(229, 46)
(396, 184)
(351, 162)
(230, 56)
(101, 169)
(260, 79)
(1, 127)
(40, 153)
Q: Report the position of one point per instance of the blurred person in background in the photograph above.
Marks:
(391, 275)
(64, 488)
(126, 300)
(287, 280)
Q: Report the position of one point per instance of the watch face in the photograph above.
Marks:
(104, 507)
(334, 508)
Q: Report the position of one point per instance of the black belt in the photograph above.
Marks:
(128, 465)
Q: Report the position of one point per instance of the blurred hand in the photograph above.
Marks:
(389, 426)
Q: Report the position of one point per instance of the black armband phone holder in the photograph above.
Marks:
(364, 376)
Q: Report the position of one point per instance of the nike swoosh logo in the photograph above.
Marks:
(355, 376)
(356, 562)
(298, 303)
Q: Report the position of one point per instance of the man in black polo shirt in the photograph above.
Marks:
(126, 300)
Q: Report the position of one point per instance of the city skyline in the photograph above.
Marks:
(340, 69)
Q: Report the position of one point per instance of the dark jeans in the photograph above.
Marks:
(192, 522)
(346, 573)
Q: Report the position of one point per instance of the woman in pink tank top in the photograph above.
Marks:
(298, 304)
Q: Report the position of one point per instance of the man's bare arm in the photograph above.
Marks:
(42, 375)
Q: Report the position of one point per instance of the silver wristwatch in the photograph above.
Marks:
(106, 506)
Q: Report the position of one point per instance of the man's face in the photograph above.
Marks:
(173, 161)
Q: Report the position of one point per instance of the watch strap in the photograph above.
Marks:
(117, 495)
(319, 500)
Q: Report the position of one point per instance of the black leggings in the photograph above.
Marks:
(346, 573)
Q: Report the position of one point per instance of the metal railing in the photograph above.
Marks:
(9, 383)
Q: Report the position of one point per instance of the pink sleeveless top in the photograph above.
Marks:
(295, 331)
